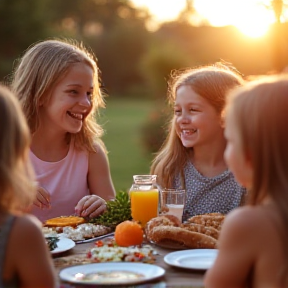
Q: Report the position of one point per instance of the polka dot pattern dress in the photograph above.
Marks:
(206, 195)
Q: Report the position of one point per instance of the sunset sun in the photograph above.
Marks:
(251, 17)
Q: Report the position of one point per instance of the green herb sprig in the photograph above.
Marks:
(52, 242)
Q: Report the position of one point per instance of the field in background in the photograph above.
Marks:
(122, 120)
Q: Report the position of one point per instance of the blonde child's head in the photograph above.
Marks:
(260, 113)
(16, 176)
(41, 67)
(211, 82)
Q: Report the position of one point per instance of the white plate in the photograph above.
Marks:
(112, 273)
(199, 259)
(64, 244)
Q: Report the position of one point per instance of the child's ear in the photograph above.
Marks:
(222, 120)
(41, 102)
(248, 159)
(222, 123)
(249, 171)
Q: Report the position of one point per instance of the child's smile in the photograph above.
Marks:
(77, 116)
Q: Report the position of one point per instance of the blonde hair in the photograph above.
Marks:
(260, 113)
(16, 173)
(211, 82)
(40, 68)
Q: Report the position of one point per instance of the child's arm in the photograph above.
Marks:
(100, 185)
(29, 254)
(99, 177)
(236, 251)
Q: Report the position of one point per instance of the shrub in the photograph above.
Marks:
(154, 130)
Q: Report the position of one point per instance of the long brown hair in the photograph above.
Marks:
(16, 173)
(41, 66)
(260, 111)
(211, 82)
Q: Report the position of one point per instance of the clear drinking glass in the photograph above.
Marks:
(172, 202)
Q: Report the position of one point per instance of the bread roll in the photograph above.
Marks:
(210, 231)
(214, 220)
(182, 236)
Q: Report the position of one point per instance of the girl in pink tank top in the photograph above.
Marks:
(57, 83)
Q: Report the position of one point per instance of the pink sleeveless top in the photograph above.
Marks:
(65, 180)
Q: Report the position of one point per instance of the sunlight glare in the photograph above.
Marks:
(255, 26)
(250, 17)
(162, 10)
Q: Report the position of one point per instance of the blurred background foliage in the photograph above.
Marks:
(136, 62)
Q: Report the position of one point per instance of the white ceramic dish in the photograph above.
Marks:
(63, 245)
(198, 259)
(111, 273)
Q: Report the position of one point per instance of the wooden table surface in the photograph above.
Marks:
(174, 277)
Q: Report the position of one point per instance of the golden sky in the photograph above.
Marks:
(250, 16)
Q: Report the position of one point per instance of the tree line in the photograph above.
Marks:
(133, 60)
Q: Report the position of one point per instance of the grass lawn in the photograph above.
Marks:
(122, 120)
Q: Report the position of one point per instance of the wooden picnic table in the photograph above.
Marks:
(174, 277)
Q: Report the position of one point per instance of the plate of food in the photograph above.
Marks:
(117, 273)
(76, 229)
(166, 232)
(196, 259)
(97, 238)
(86, 232)
(107, 250)
(59, 244)
(199, 232)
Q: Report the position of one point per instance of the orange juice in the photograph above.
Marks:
(144, 205)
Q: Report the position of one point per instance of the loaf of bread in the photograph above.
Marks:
(168, 229)
(200, 228)
(214, 220)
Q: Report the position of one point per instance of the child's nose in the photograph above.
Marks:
(85, 100)
(184, 118)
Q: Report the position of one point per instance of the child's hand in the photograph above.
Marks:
(90, 206)
(42, 198)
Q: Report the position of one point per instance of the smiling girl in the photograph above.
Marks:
(192, 156)
(57, 84)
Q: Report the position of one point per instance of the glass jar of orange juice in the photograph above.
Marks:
(144, 198)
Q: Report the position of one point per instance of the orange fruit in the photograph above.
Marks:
(128, 233)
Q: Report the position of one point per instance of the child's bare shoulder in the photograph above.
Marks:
(246, 216)
(27, 224)
(28, 229)
(242, 223)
